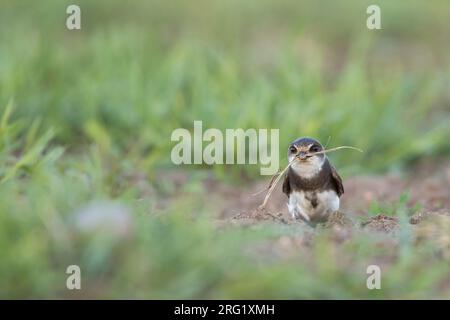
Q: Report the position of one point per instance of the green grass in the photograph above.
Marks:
(392, 209)
(86, 117)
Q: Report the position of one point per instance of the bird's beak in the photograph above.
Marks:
(302, 155)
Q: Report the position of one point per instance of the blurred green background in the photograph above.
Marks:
(86, 119)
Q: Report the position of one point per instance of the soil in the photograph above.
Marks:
(428, 189)
(428, 204)
(428, 211)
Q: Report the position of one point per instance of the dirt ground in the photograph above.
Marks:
(428, 206)
(427, 185)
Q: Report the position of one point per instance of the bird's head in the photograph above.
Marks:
(308, 163)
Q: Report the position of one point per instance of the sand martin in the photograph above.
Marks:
(311, 183)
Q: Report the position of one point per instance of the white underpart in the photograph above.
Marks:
(300, 205)
(309, 168)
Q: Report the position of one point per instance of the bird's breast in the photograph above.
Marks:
(315, 204)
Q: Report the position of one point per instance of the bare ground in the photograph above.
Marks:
(427, 184)
(428, 205)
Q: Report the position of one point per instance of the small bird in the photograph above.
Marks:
(311, 183)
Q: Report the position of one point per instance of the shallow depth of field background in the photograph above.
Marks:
(86, 118)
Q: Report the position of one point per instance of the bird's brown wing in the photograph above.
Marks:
(337, 181)
(286, 185)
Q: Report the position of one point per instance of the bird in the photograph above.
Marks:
(312, 184)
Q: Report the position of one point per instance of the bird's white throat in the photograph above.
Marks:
(308, 169)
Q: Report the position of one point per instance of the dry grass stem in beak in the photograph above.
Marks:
(335, 149)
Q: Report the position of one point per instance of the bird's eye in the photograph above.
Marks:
(314, 149)
(293, 149)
